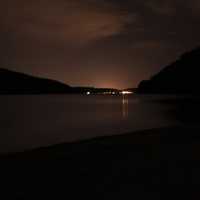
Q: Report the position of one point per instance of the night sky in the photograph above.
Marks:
(102, 43)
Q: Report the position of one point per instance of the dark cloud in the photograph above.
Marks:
(162, 7)
(113, 43)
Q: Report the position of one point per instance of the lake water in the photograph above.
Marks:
(32, 121)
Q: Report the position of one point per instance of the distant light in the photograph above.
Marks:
(126, 92)
(107, 93)
(88, 93)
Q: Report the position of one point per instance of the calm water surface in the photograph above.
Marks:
(32, 121)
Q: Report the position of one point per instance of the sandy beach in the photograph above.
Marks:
(156, 164)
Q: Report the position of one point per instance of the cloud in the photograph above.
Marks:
(71, 22)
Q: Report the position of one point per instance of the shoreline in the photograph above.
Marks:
(153, 164)
(154, 136)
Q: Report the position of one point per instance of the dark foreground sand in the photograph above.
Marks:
(155, 164)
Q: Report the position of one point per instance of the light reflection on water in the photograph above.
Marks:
(33, 121)
(125, 106)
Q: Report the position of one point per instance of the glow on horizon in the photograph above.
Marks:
(126, 92)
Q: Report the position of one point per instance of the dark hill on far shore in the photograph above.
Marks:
(18, 83)
(180, 77)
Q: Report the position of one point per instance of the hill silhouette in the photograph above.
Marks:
(19, 83)
(180, 77)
